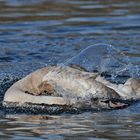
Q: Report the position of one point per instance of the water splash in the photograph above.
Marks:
(89, 58)
(124, 62)
(105, 58)
(6, 80)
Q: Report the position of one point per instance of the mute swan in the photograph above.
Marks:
(63, 85)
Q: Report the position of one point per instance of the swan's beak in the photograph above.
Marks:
(110, 104)
(117, 105)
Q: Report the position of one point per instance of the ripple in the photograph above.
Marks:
(35, 33)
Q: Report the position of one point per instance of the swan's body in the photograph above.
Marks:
(64, 85)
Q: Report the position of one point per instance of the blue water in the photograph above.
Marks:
(34, 34)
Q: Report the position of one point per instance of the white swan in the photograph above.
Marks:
(63, 85)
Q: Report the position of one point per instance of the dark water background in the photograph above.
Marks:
(36, 33)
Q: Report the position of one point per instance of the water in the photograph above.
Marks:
(102, 58)
(34, 34)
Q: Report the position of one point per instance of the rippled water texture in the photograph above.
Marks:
(36, 33)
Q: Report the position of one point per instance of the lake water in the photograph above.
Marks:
(36, 33)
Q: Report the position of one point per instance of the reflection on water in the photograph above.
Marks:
(120, 124)
(36, 33)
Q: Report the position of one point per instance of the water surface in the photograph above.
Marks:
(35, 33)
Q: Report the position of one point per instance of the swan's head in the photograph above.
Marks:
(132, 86)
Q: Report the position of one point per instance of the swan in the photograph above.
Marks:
(55, 85)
